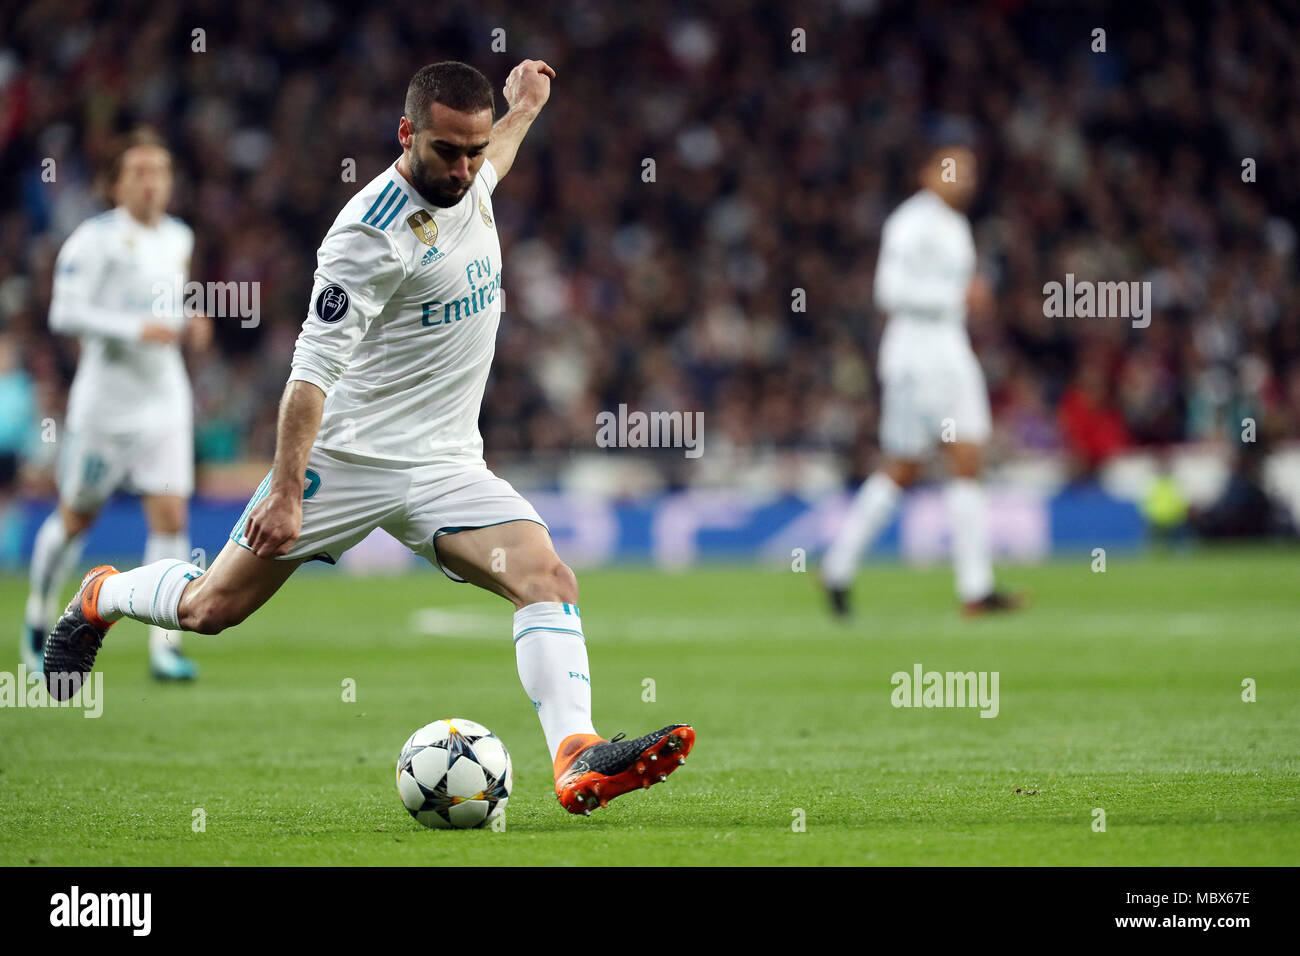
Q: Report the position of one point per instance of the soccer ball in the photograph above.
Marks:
(454, 775)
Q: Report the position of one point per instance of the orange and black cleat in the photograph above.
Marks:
(590, 772)
(71, 647)
(995, 602)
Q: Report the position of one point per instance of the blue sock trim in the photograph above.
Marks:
(544, 627)
(158, 590)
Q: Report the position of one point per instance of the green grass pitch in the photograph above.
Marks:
(1119, 691)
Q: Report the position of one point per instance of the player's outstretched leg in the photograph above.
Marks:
(175, 595)
(551, 654)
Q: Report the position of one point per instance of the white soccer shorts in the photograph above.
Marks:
(346, 497)
(945, 399)
(92, 466)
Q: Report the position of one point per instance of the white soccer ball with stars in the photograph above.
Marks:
(454, 775)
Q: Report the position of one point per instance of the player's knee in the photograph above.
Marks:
(75, 522)
(171, 524)
(902, 473)
(166, 514)
(965, 460)
(554, 581)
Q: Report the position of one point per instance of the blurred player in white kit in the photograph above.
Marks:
(130, 416)
(932, 389)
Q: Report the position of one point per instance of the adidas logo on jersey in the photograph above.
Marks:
(433, 255)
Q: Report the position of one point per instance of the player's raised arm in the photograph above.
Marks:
(527, 89)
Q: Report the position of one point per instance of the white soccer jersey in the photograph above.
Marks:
(113, 276)
(402, 325)
(927, 259)
(932, 384)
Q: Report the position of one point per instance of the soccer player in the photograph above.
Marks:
(130, 416)
(933, 391)
(378, 427)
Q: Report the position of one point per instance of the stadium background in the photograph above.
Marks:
(774, 171)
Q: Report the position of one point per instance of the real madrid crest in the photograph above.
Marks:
(422, 224)
(482, 211)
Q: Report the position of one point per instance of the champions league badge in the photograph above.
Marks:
(331, 304)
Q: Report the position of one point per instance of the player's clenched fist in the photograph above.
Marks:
(529, 85)
(274, 524)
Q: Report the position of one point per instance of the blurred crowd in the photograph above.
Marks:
(773, 171)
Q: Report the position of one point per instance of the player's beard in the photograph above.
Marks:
(439, 192)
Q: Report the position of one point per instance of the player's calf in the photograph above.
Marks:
(207, 611)
(237, 584)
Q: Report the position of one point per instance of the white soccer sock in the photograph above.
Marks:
(53, 556)
(870, 511)
(151, 594)
(971, 550)
(551, 653)
(159, 547)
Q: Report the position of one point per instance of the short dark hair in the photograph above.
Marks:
(455, 85)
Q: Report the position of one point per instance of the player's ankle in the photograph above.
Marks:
(570, 747)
